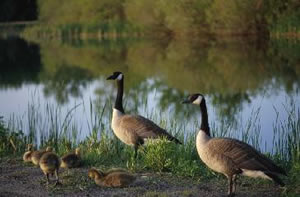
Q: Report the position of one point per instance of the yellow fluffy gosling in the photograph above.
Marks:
(28, 153)
(49, 164)
(113, 178)
(71, 160)
(36, 155)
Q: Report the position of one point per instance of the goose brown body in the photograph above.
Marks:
(36, 155)
(229, 156)
(71, 160)
(133, 129)
(49, 164)
(232, 157)
(113, 178)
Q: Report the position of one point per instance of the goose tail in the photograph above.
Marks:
(171, 138)
(275, 178)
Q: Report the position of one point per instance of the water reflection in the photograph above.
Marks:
(20, 62)
(232, 73)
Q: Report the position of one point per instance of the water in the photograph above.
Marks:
(240, 79)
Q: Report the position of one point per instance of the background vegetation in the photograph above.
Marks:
(15, 10)
(178, 17)
(159, 18)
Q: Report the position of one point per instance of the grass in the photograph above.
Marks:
(103, 150)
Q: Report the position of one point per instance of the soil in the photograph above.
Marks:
(23, 179)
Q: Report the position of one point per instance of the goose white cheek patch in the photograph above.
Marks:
(198, 100)
(120, 77)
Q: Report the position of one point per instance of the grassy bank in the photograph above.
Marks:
(102, 149)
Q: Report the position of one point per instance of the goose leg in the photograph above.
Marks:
(139, 142)
(57, 178)
(47, 178)
(234, 183)
(136, 146)
(230, 194)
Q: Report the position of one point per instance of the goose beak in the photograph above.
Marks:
(186, 102)
(112, 77)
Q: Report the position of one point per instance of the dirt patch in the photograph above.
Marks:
(20, 179)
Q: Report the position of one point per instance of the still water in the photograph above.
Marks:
(244, 82)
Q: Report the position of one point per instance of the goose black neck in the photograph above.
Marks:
(118, 103)
(204, 118)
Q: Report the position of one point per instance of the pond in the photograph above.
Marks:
(249, 85)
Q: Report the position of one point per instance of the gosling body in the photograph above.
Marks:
(113, 178)
(36, 155)
(49, 164)
(28, 153)
(71, 160)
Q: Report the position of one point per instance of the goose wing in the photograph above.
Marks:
(144, 128)
(244, 155)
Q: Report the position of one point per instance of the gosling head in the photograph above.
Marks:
(49, 149)
(77, 151)
(116, 76)
(29, 147)
(95, 174)
(195, 99)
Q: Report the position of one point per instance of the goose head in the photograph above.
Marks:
(116, 76)
(95, 174)
(195, 99)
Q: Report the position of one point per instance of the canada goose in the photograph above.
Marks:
(71, 160)
(28, 153)
(133, 129)
(112, 178)
(49, 164)
(36, 155)
(229, 156)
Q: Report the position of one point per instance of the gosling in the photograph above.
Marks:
(71, 160)
(36, 155)
(113, 178)
(49, 164)
(28, 153)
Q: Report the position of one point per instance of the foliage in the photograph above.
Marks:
(14, 10)
(236, 17)
(159, 154)
(10, 142)
(157, 18)
(88, 12)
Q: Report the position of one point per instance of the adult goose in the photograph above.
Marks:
(133, 129)
(229, 156)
